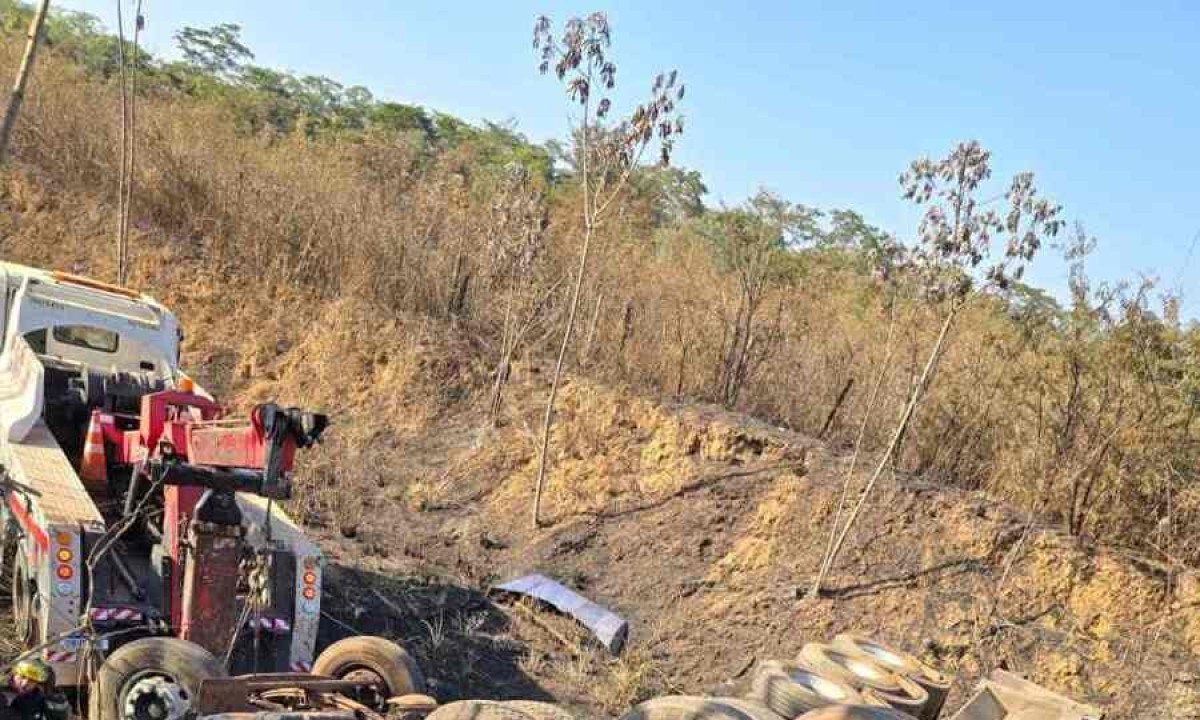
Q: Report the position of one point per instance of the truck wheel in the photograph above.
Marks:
(375, 660)
(686, 707)
(855, 712)
(479, 710)
(791, 690)
(540, 710)
(25, 604)
(151, 679)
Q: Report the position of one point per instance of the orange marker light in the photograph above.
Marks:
(310, 578)
(63, 538)
(65, 572)
(64, 555)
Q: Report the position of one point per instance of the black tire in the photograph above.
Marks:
(854, 712)
(790, 690)
(179, 662)
(478, 710)
(541, 710)
(751, 707)
(389, 662)
(687, 707)
(935, 682)
(862, 672)
(854, 670)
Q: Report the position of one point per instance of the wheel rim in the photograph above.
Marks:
(154, 697)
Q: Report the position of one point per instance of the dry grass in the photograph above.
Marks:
(329, 272)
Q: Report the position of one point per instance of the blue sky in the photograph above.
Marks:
(824, 103)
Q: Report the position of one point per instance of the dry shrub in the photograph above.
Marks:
(360, 272)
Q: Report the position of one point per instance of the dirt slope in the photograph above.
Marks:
(697, 525)
(701, 527)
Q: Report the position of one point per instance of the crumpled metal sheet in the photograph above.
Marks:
(609, 628)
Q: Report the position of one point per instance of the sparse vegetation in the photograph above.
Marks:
(1082, 413)
(413, 274)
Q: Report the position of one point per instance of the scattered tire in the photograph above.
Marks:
(751, 707)
(478, 710)
(897, 661)
(790, 689)
(151, 679)
(687, 707)
(863, 672)
(854, 712)
(912, 699)
(366, 656)
(541, 710)
(935, 682)
(856, 671)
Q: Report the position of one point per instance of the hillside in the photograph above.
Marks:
(697, 524)
(1041, 518)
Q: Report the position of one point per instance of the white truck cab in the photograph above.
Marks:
(58, 320)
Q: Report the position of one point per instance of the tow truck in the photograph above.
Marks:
(150, 562)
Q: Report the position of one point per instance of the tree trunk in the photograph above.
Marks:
(901, 427)
(548, 420)
(837, 405)
(858, 443)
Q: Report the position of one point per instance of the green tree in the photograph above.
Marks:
(217, 50)
(754, 243)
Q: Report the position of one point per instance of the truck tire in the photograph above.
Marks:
(151, 679)
(863, 672)
(687, 707)
(854, 712)
(936, 683)
(541, 710)
(790, 690)
(368, 655)
(751, 707)
(479, 710)
(895, 660)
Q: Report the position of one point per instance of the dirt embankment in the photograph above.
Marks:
(697, 525)
(702, 527)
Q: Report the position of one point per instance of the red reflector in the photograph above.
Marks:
(65, 572)
(310, 593)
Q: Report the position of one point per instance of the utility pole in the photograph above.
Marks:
(18, 91)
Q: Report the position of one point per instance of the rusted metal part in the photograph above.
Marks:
(1005, 696)
(313, 683)
(222, 695)
(241, 693)
(292, 696)
(344, 703)
(210, 587)
(417, 704)
(608, 627)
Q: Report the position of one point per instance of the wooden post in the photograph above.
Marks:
(18, 91)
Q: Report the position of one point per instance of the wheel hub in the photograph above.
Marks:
(155, 698)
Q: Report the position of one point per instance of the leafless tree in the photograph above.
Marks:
(955, 241)
(607, 153)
